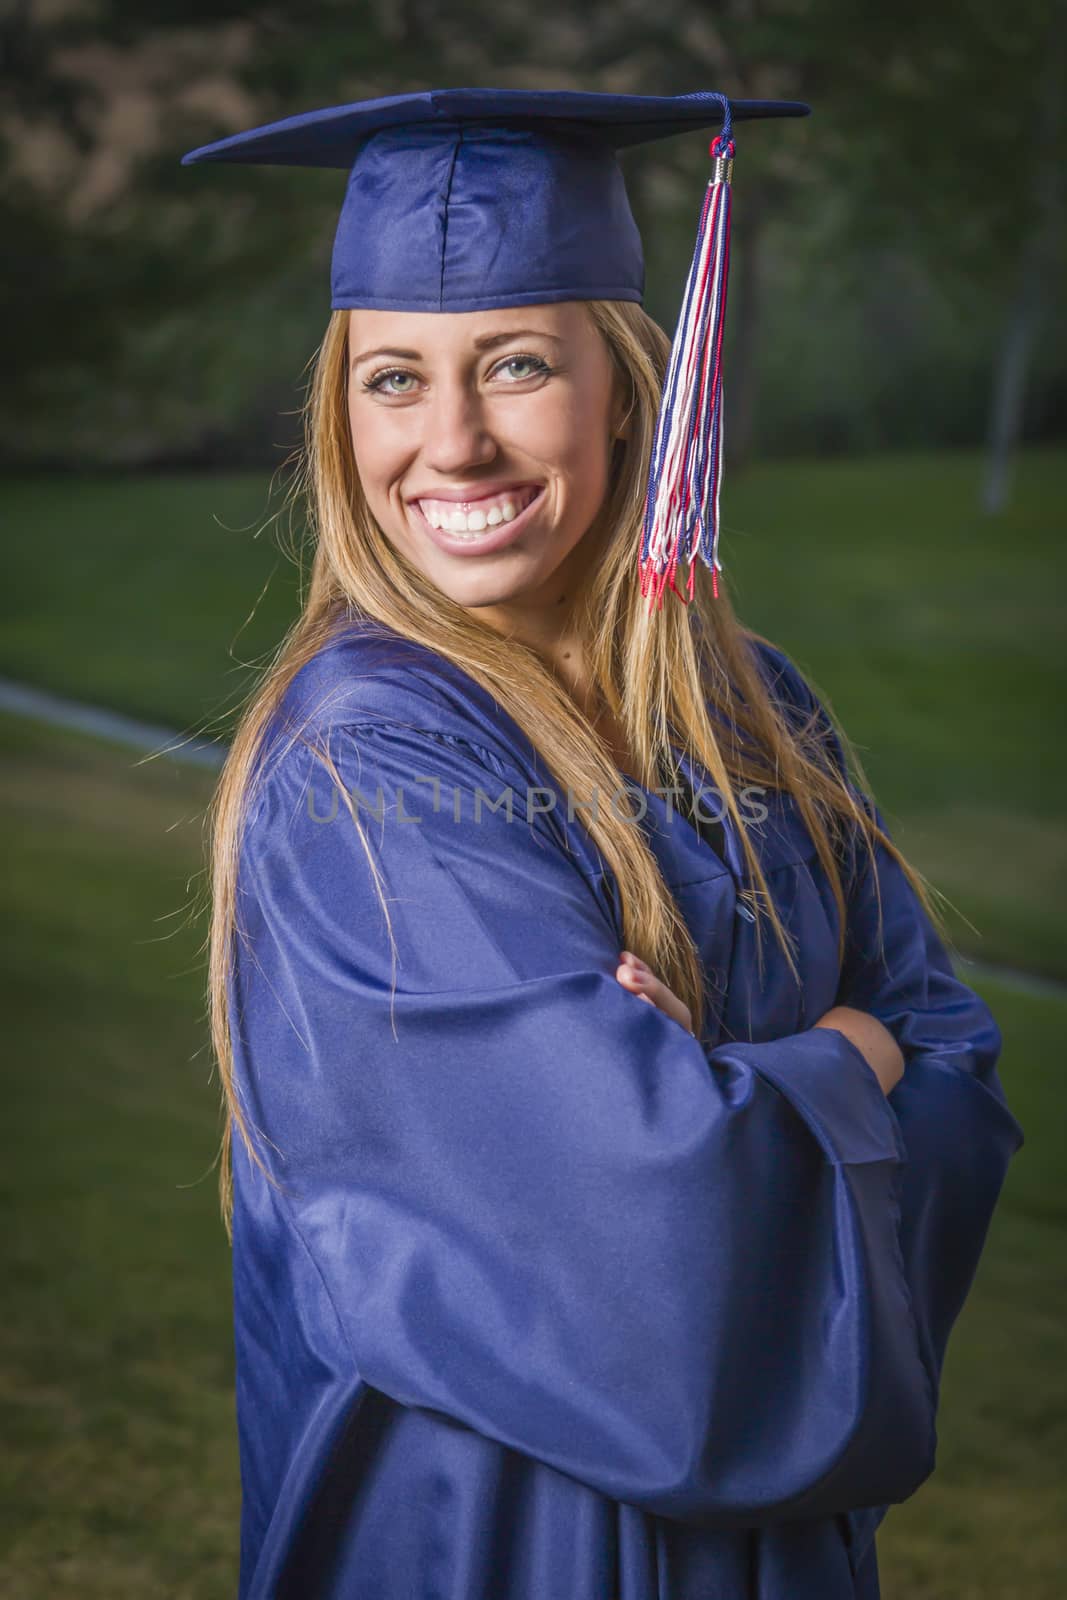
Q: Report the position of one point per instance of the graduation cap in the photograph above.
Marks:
(469, 199)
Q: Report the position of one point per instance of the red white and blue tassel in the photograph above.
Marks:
(685, 473)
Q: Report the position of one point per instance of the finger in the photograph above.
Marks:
(631, 975)
(667, 1001)
(646, 982)
(648, 987)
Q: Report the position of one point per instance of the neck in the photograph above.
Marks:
(546, 622)
(564, 652)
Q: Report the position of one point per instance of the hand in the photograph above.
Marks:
(872, 1038)
(635, 975)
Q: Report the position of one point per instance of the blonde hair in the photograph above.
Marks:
(662, 678)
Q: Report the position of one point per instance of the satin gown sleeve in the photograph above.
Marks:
(536, 1204)
(958, 1133)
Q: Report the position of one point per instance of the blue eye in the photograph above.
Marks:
(536, 362)
(377, 384)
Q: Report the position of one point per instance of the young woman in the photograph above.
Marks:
(612, 1145)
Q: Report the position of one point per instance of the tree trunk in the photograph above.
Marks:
(1031, 289)
(1009, 378)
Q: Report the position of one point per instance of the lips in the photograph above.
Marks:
(476, 495)
(478, 542)
(475, 515)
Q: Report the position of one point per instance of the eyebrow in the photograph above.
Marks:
(488, 341)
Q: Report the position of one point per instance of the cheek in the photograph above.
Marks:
(585, 460)
(567, 433)
(378, 448)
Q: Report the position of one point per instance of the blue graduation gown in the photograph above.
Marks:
(557, 1302)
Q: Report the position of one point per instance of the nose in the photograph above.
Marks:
(456, 435)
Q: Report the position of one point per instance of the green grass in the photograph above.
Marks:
(119, 1478)
(933, 632)
(151, 595)
(119, 1472)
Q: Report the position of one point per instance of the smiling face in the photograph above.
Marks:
(483, 443)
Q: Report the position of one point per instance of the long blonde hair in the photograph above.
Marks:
(661, 677)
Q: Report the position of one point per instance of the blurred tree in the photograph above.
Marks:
(157, 310)
(921, 131)
(949, 143)
(1039, 259)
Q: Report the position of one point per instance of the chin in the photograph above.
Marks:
(509, 578)
(513, 577)
(485, 592)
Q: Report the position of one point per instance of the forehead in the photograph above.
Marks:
(424, 333)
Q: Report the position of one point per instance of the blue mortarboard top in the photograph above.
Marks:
(467, 199)
(471, 199)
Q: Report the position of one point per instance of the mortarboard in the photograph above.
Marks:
(469, 199)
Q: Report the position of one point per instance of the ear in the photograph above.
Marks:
(622, 408)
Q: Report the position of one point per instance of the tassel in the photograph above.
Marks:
(685, 474)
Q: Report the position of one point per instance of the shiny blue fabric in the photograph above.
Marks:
(469, 199)
(554, 1301)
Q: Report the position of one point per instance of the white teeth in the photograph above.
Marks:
(440, 514)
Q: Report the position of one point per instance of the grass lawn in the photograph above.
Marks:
(934, 633)
(119, 1480)
(150, 595)
(119, 1472)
